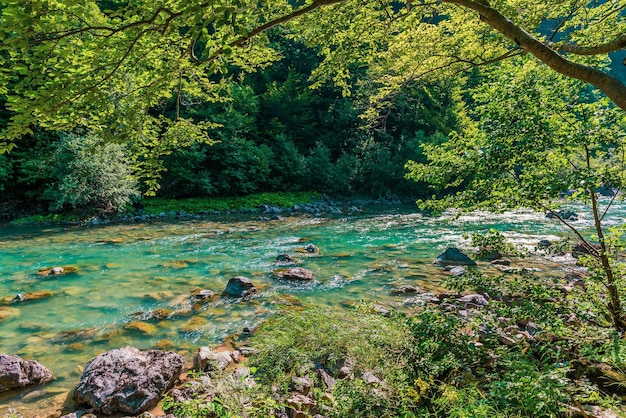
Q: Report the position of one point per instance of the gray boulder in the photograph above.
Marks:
(452, 256)
(127, 380)
(16, 372)
(239, 287)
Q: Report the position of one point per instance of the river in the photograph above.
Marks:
(122, 270)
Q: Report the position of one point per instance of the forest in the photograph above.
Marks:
(502, 123)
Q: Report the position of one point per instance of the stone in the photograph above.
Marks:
(209, 360)
(454, 257)
(299, 401)
(202, 294)
(284, 258)
(300, 384)
(74, 335)
(580, 249)
(370, 379)
(544, 243)
(57, 271)
(16, 373)
(239, 287)
(127, 380)
(142, 327)
(23, 297)
(457, 271)
(567, 215)
(328, 380)
(406, 289)
(309, 249)
(473, 300)
(491, 255)
(295, 273)
(501, 262)
(382, 310)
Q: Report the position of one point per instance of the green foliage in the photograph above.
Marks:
(529, 142)
(88, 175)
(6, 168)
(200, 205)
(494, 240)
(195, 408)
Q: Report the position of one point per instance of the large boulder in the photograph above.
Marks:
(128, 380)
(452, 256)
(16, 372)
(295, 273)
(239, 287)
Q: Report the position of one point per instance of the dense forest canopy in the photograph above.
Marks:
(164, 80)
(104, 65)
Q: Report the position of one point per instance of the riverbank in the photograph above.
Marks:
(262, 204)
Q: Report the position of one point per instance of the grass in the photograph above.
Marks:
(154, 206)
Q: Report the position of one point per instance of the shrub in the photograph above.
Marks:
(89, 175)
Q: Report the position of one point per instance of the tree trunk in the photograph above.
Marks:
(615, 306)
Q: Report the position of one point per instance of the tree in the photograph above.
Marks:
(80, 172)
(104, 65)
(537, 134)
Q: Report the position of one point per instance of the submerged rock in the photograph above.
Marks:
(239, 287)
(284, 258)
(127, 380)
(7, 312)
(452, 256)
(24, 297)
(16, 372)
(309, 249)
(140, 326)
(295, 273)
(57, 271)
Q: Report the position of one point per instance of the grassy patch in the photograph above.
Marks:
(153, 206)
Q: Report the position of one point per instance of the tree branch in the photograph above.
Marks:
(615, 45)
(608, 84)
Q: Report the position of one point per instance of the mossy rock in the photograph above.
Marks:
(75, 335)
(28, 296)
(142, 327)
(57, 271)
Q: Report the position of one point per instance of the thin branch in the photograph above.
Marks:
(562, 22)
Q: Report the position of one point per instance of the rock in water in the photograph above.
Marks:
(16, 372)
(239, 287)
(295, 273)
(128, 380)
(452, 256)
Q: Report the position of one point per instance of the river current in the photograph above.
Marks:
(125, 273)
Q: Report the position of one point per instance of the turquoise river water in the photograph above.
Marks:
(126, 269)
